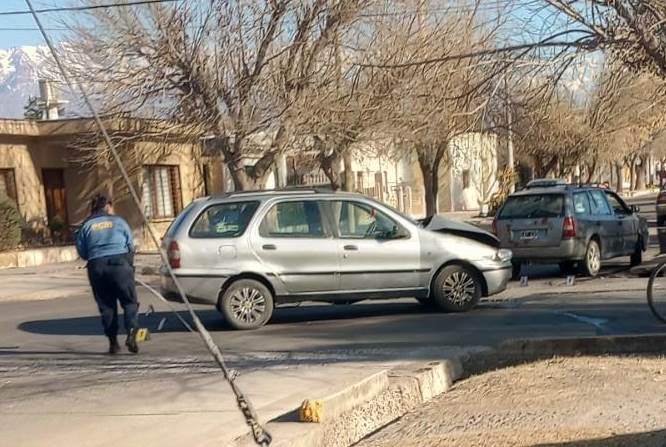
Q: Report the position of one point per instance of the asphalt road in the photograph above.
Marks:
(69, 328)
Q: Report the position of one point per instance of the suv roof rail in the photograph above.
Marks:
(546, 183)
(286, 190)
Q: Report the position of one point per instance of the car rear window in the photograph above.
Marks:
(178, 220)
(224, 220)
(537, 205)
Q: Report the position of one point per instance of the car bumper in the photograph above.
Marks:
(496, 280)
(568, 250)
(198, 290)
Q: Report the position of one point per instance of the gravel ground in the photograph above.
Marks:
(583, 401)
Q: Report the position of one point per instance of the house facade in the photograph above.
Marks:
(45, 170)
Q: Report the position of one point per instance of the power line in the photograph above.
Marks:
(32, 29)
(261, 436)
(87, 8)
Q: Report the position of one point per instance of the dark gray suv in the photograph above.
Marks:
(552, 222)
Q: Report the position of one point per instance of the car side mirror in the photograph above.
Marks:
(635, 209)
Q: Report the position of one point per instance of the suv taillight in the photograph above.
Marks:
(661, 198)
(568, 228)
(173, 255)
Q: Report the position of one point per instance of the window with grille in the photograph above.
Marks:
(8, 185)
(161, 191)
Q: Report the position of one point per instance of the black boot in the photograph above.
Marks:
(131, 343)
(114, 347)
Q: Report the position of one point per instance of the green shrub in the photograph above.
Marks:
(10, 226)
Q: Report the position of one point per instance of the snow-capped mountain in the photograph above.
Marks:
(19, 69)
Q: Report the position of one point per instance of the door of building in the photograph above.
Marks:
(54, 191)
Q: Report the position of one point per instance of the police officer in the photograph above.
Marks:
(105, 241)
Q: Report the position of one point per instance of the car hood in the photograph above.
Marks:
(441, 224)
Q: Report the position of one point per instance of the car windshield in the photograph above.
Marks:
(537, 205)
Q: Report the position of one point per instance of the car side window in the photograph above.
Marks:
(599, 204)
(226, 220)
(357, 220)
(618, 207)
(296, 219)
(581, 204)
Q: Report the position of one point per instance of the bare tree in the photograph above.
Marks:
(229, 70)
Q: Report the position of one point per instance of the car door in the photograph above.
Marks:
(607, 226)
(627, 221)
(295, 244)
(376, 252)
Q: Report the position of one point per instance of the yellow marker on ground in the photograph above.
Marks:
(310, 411)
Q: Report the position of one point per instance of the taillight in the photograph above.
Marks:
(661, 198)
(173, 255)
(495, 227)
(568, 228)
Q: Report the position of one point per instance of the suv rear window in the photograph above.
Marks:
(225, 220)
(537, 205)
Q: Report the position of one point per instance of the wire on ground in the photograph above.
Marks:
(261, 436)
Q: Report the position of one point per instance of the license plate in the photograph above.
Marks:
(527, 235)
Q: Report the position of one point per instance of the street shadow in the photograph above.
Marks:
(90, 325)
(656, 438)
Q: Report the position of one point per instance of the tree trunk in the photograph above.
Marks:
(330, 164)
(349, 173)
(641, 171)
(619, 185)
(430, 184)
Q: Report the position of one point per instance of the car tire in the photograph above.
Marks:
(247, 304)
(456, 289)
(567, 267)
(591, 263)
(637, 255)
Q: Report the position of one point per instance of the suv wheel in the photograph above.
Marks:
(637, 255)
(456, 289)
(591, 264)
(247, 304)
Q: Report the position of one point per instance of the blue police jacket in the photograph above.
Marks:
(104, 235)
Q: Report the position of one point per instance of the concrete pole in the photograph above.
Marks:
(509, 122)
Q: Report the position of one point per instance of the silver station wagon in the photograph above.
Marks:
(247, 252)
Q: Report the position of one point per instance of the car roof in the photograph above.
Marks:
(282, 193)
(558, 189)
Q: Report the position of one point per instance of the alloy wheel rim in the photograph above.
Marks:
(248, 305)
(459, 288)
(593, 260)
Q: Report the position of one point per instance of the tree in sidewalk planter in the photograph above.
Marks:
(231, 71)
(10, 225)
(445, 100)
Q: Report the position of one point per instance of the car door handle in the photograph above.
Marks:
(351, 247)
(269, 247)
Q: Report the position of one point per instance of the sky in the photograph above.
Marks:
(13, 38)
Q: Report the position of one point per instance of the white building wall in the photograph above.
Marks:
(473, 155)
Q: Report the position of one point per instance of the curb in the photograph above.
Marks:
(362, 408)
(567, 346)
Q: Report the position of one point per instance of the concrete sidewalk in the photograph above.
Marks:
(136, 409)
(60, 280)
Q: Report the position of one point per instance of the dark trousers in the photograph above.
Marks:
(112, 280)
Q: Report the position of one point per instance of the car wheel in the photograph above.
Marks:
(567, 267)
(247, 304)
(591, 264)
(457, 289)
(637, 255)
